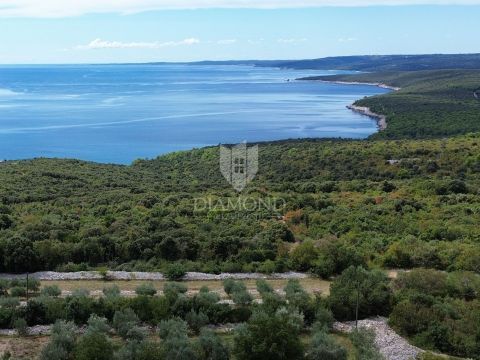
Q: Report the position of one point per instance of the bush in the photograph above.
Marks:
(324, 347)
(174, 327)
(175, 272)
(124, 321)
(241, 297)
(172, 289)
(364, 342)
(111, 291)
(52, 290)
(264, 287)
(18, 291)
(146, 289)
(196, 321)
(62, 342)
(20, 325)
(175, 344)
(94, 344)
(211, 347)
(267, 336)
(372, 288)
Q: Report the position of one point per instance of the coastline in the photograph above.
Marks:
(377, 84)
(363, 110)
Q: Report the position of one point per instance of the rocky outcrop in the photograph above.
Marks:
(391, 345)
(381, 119)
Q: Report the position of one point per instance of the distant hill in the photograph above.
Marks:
(367, 62)
(385, 62)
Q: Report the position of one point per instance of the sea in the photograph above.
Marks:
(119, 113)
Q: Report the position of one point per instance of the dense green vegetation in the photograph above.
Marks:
(373, 63)
(429, 104)
(275, 329)
(439, 311)
(368, 62)
(406, 198)
(317, 206)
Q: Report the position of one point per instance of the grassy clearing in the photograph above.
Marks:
(311, 285)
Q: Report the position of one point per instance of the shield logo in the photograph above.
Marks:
(239, 164)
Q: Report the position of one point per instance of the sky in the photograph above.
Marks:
(109, 31)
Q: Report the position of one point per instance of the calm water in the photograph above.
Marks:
(119, 113)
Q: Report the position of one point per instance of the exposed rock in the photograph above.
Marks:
(389, 343)
(137, 275)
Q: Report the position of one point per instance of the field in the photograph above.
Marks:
(311, 285)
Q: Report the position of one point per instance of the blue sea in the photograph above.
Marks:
(119, 113)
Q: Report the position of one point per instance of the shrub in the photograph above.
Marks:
(270, 336)
(18, 291)
(295, 294)
(323, 318)
(175, 272)
(324, 347)
(94, 344)
(52, 290)
(371, 287)
(146, 289)
(62, 342)
(20, 325)
(175, 344)
(80, 292)
(263, 286)
(124, 321)
(174, 327)
(172, 289)
(211, 347)
(196, 320)
(364, 342)
(4, 286)
(241, 297)
(111, 291)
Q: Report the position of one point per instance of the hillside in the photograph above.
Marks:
(376, 63)
(430, 103)
(343, 198)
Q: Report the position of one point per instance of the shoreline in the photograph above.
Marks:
(364, 110)
(377, 84)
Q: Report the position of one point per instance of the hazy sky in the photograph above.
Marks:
(79, 31)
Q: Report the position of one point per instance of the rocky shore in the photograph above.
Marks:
(381, 119)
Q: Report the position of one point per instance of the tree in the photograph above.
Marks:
(357, 286)
(270, 337)
(175, 272)
(19, 255)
